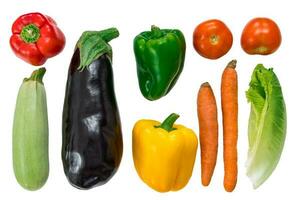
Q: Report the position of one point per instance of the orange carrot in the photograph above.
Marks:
(229, 100)
(208, 125)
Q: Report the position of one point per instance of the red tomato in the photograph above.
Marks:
(261, 36)
(212, 39)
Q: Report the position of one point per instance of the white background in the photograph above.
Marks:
(132, 17)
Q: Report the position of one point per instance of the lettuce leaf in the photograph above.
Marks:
(267, 124)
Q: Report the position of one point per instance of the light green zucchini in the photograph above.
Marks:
(30, 133)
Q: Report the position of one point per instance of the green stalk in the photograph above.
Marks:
(37, 75)
(93, 44)
(168, 123)
(30, 33)
(156, 32)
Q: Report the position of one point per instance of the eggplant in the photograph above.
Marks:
(92, 136)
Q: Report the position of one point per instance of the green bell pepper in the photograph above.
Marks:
(159, 55)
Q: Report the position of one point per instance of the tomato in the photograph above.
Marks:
(261, 36)
(212, 39)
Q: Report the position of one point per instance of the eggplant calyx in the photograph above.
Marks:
(93, 44)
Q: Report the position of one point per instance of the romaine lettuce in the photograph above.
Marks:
(267, 124)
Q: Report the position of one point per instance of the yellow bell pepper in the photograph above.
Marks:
(164, 154)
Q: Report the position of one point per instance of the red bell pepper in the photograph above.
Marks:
(35, 38)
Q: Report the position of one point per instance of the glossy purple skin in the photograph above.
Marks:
(92, 136)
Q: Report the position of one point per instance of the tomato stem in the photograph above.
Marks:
(214, 39)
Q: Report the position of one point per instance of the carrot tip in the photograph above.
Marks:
(229, 189)
(232, 64)
(206, 84)
(205, 182)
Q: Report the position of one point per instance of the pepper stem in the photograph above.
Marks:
(168, 123)
(30, 33)
(156, 31)
(37, 75)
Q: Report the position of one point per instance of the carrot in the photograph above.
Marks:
(229, 100)
(208, 125)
